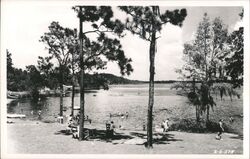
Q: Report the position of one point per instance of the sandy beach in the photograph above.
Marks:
(34, 137)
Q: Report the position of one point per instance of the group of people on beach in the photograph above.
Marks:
(165, 125)
(119, 114)
(76, 119)
(110, 126)
(73, 123)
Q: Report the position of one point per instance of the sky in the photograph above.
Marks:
(24, 22)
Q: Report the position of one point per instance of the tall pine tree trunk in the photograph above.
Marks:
(61, 90)
(197, 107)
(73, 86)
(151, 85)
(206, 73)
(81, 126)
(207, 121)
(72, 99)
(82, 105)
(61, 100)
(197, 113)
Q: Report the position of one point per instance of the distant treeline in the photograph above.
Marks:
(32, 78)
(25, 80)
(113, 79)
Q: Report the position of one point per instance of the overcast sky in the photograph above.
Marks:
(24, 23)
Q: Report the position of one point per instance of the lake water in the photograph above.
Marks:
(100, 103)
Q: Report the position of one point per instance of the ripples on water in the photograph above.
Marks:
(99, 104)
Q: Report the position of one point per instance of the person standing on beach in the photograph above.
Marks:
(112, 126)
(39, 115)
(231, 119)
(126, 115)
(165, 125)
(221, 129)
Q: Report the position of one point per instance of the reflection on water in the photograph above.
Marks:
(99, 104)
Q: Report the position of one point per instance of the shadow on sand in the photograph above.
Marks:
(239, 137)
(158, 138)
(100, 135)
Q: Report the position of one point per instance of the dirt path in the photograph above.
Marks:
(47, 138)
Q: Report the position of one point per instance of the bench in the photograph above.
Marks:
(109, 131)
(91, 133)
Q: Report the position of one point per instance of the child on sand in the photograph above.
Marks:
(231, 119)
(165, 125)
(221, 129)
(126, 115)
(112, 126)
(39, 114)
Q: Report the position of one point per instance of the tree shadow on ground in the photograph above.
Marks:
(120, 138)
(158, 138)
(100, 135)
(62, 132)
(239, 137)
(238, 115)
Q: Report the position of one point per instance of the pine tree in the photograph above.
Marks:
(146, 22)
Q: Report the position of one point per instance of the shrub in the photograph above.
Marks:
(190, 125)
